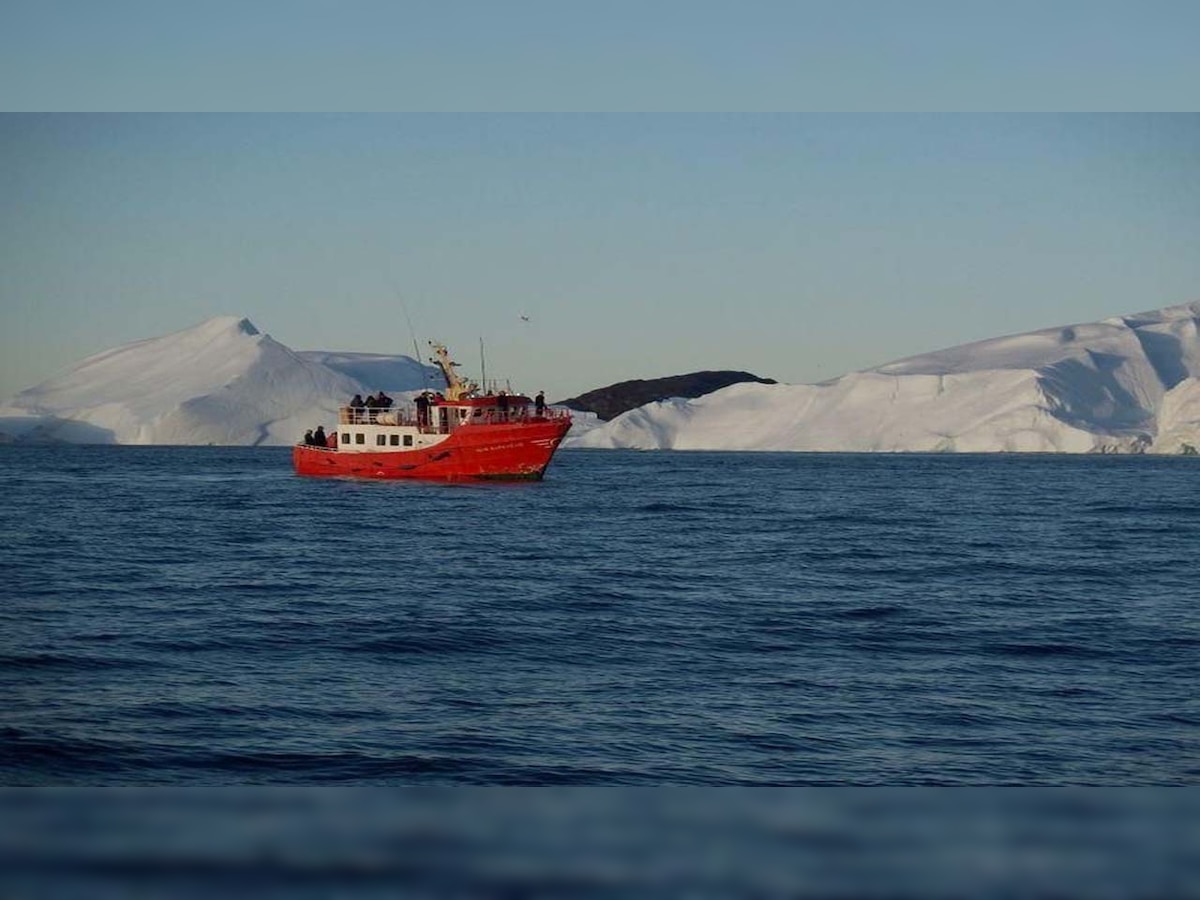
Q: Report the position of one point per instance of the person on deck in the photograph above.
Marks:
(539, 403)
(319, 439)
(308, 438)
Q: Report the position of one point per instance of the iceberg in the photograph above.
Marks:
(220, 382)
(1128, 384)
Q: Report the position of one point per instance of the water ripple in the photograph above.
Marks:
(200, 616)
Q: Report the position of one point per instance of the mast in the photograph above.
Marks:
(456, 387)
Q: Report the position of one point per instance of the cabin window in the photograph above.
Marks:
(381, 440)
(345, 437)
(478, 411)
(395, 440)
(408, 440)
(360, 438)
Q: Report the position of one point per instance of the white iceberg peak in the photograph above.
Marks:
(219, 382)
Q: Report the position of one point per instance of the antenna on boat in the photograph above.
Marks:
(413, 334)
(482, 367)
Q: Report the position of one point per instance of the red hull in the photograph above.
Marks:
(517, 450)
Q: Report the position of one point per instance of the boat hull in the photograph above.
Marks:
(503, 452)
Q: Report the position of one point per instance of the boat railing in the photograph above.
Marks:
(409, 415)
(518, 414)
(374, 415)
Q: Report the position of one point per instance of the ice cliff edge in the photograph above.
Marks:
(1126, 384)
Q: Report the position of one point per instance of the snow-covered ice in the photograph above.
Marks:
(1129, 384)
(221, 382)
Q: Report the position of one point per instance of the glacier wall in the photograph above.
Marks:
(1129, 384)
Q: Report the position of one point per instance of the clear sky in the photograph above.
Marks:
(602, 55)
(796, 246)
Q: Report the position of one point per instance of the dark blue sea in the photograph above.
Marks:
(201, 616)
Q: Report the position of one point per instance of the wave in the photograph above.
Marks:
(870, 613)
(71, 661)
(1045, 650)
(438, 641)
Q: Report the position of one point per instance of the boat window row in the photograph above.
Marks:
(381, 440)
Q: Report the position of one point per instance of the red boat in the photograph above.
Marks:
(457, 435)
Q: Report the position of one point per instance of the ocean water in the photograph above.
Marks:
(201, 616)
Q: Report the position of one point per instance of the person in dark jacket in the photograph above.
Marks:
(308, 438)
(539, 403)
(357, 402)
(319, 436)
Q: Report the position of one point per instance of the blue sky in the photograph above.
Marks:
(619, 55)
(796, 246)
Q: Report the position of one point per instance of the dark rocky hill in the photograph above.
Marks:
(609, 402)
